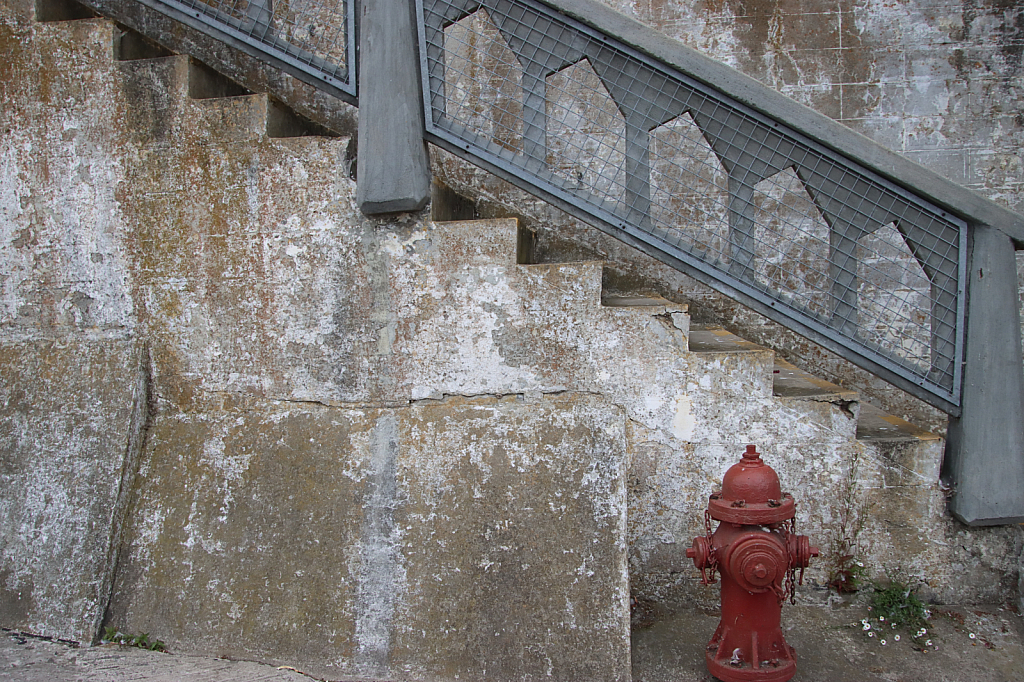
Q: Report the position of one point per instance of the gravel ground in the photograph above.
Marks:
(30, 659)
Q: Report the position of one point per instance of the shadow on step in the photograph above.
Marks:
(62, 10)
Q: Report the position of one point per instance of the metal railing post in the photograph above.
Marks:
(393, 166)
(984, 460)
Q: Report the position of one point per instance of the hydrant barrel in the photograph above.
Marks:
(756, 552)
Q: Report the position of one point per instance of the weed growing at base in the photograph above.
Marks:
(900, 606)
(111, 634)
(894, 608)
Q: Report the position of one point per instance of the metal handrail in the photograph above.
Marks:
(316, 42)
(737, 198)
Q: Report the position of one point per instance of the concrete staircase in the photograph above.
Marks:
(370, 448)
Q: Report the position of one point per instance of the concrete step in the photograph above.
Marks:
(876, 426)
(131, 45)
(157, 82)
(743, 366)
(80, 43)
(236, 119)
(170, 97)
(792, 383)
(155, 92)
(639, 302)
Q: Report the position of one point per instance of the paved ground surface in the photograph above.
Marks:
(831, 644)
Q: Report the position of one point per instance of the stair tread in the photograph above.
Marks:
(875, 425)
(711, 339)
(639, 302)
(150, 61)
(792, 382)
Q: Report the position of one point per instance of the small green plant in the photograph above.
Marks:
(894, 609)
(847, 572)
(111, 634)
(899, 604)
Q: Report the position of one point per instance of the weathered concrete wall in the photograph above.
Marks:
(373, 448)
(71, 413)
(292, 504)
(73, 387)
(445, 539)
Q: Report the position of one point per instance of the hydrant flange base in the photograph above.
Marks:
(764, 514)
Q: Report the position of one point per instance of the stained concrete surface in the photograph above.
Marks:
(830, 643)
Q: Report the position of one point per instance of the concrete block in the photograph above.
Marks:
(71, 415)
(63, 260)
(83, 45)
(17, 11)
(444, 540)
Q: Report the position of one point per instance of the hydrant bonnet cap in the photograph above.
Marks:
(751, 480)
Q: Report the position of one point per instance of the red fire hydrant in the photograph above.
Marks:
(757, 552)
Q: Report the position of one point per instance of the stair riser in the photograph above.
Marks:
(154, 91)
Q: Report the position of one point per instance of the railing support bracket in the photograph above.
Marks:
(984, 461)
(393, 167)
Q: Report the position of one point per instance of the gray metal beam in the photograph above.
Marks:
(393, 166)
(984, 461)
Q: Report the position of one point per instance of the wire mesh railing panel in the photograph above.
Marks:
(636, 147)
(316, 38)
